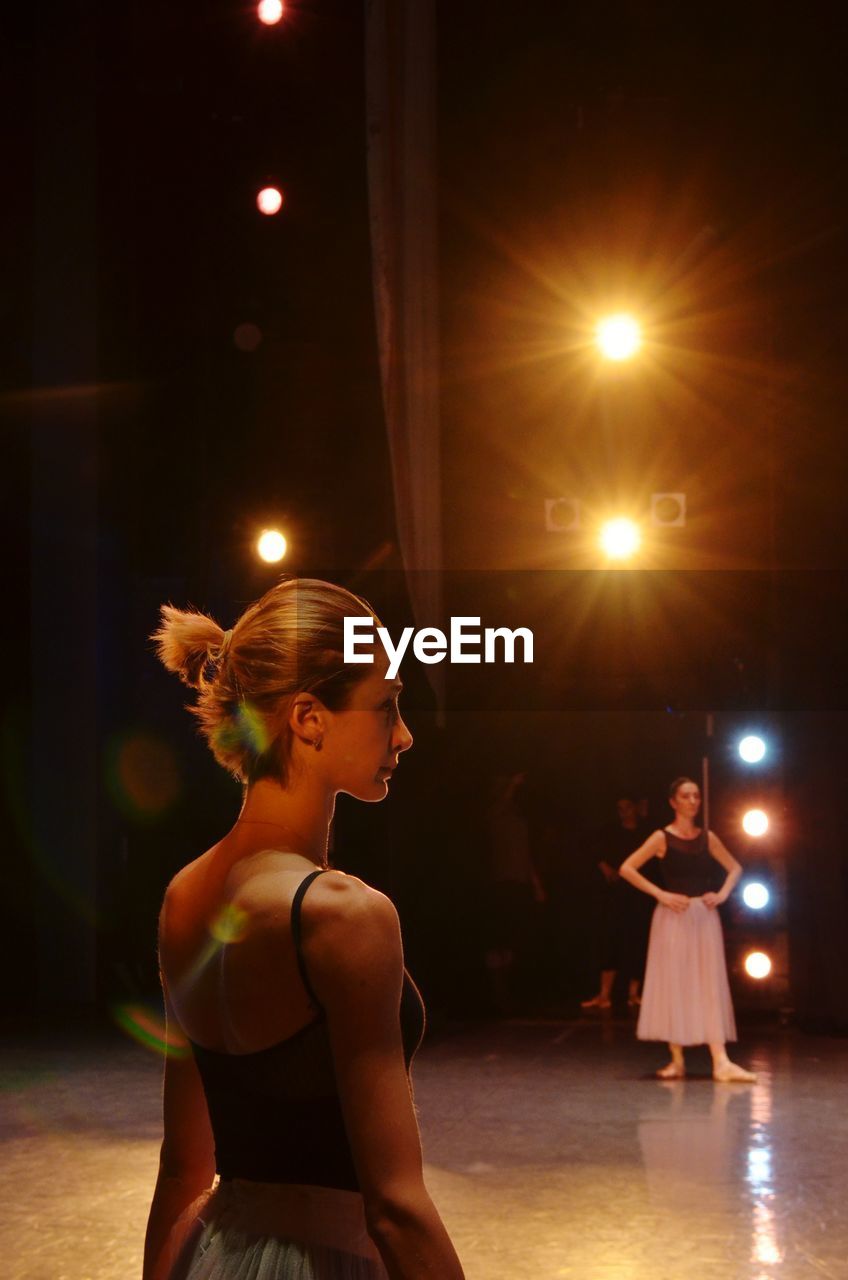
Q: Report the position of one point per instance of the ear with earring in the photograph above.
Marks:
(317, 743)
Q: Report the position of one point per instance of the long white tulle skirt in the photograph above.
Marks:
(686, 995)
(241, 1230)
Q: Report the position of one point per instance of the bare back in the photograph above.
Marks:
(226, 948)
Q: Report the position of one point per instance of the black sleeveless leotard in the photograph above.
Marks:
(688, 866)
(276, 1114)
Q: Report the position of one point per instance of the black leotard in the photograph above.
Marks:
(688, 866)
(275, 1114)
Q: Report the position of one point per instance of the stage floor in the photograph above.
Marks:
(551, 1151)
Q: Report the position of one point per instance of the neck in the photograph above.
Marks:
(688, 824)
(295, 820)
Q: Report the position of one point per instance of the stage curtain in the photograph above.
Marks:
(401, 123)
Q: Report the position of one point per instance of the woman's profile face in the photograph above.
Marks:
(364, 742)
(686, 800)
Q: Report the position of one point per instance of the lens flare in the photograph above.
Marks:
(144, 776)
(230, 924)
(271, 546)
(244, 729)
(757, 964)
(755, 822)
(247, 336)
(147, 1027)
(752, 749)
(618, 337)
(620, 538)
(228, 927)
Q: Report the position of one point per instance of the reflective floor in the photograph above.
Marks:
(551, 1151)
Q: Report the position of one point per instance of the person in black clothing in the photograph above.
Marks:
(291, 1019)
(623, 925)
(516, 893)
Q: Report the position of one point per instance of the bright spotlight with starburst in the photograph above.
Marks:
(620, 538)
(618, 337)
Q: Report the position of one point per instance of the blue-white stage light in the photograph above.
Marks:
(755, 895)
(752, 748)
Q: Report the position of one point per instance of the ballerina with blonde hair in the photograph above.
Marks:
(291, 1148)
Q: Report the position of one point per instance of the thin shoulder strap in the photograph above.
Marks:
(297, 934)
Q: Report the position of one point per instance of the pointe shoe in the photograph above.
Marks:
(671, 1072)
(731, 1073)
(597, 1002)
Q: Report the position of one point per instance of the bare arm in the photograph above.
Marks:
(355, 961)
(187, 1155)
(733, 868)
(654, 847)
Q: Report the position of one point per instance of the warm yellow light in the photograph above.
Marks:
(620, 538)
(618, 337)
(757, 964)
(755, 822)
(271, 546)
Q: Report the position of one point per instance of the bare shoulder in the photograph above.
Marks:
(657, 842)
(353, 939)
(345, 907)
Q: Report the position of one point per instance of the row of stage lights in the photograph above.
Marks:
(753, 750)
(269, 200)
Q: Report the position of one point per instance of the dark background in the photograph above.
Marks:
(688, 160)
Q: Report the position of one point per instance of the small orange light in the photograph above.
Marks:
(757, 964)
(271, 546)
(755, 822)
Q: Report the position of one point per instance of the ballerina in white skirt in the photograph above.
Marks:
(686, 995)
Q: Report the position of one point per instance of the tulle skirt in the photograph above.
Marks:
(686, 995)
(241, 1230)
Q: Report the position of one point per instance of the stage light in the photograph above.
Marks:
(271, 546)
(618, 337)
(269, 201)
(270, 12)
(620, 538)
(752, 749)
(755, 822)
(755, 895)
(757, 964)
